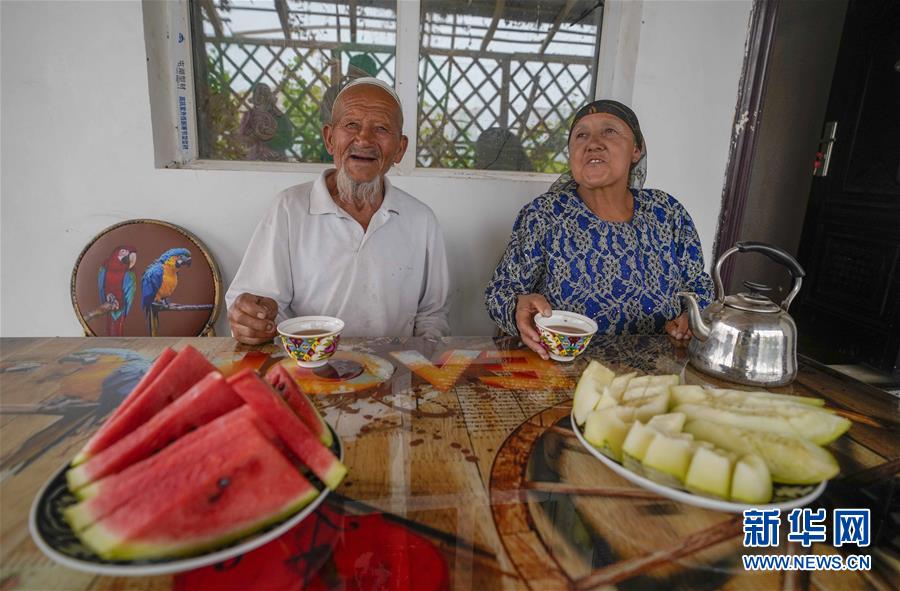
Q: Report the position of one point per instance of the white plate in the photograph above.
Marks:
(56, 539)
(689, 498)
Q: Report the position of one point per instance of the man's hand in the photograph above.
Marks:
(526, 307)
(252, 319)
(679, 329)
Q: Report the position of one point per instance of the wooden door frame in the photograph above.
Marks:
(745, 131)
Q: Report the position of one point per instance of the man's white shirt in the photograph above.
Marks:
(313, 258)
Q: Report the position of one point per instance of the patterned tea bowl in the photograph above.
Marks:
(311, 340)
(565, 334)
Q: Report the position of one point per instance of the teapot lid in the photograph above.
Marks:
(755, 301)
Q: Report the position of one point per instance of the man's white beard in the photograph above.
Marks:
(359, 194)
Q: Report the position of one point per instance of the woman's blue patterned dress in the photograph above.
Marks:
(624, 275)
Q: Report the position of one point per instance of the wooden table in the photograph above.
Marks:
(463, 470)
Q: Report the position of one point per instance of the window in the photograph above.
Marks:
(496, 81)
(266, 72)
(499, 81)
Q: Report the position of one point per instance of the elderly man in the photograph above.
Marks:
(348, 244)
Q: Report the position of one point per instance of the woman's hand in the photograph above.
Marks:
(679, 328)
(526, 307)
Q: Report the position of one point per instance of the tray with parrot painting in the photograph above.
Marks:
(57, 541)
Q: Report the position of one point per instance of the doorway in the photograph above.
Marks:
(849, 310)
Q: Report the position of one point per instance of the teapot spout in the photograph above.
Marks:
(698, 326)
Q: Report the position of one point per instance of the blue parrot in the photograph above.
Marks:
(161, 277)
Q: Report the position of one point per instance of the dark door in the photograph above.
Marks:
(849, 311)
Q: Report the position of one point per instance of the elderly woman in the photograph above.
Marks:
(598, 243)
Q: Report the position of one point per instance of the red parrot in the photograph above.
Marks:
(117, 285)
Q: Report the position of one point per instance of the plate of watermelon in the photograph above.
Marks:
(192, 469)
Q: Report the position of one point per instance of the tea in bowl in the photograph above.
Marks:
(311, 340)
(565, 334)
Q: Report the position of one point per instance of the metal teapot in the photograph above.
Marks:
(746, 338)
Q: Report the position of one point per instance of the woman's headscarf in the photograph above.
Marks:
(638, 173)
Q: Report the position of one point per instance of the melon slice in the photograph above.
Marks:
(646, 407)
(710, 472)
(763, 396)
(208, 399)
(284, 384)
(606, 431)
(617, 387)
(790, 460)
(688, 394)
(635, 446)
(665, 381)
(696, 394)
(187, 368)
(299, 439)
(811, 423)
(240, 486)
(751, 481)
(672, 422)
(668, 458)
(594, 379)
(633, 392)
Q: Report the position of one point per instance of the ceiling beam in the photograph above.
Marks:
(213, 17)
(282, 9)
(353, 21)
(563, 13)
(499, 7)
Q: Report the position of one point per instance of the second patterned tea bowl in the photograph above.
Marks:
(565, 334)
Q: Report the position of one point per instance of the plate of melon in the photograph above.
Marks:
(714, 448)
(190, 470)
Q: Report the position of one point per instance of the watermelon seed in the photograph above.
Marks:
(223, 484)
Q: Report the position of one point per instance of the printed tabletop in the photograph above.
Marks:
(464, 472)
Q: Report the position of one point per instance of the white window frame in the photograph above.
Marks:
(167, 36)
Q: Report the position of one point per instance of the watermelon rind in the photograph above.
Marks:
(335, 475)
(139, 474)
(180, 511)
(204, 402)
(77, 477)
(282, 382)
(78, 516)
(159, 364)
(187, 368)
(111, 547)
(273, 409)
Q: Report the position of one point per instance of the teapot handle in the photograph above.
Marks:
(774, 253)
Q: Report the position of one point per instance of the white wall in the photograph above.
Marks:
(77, 152)
(685, 92)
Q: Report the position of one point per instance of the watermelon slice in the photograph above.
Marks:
(161, 362)
(238, 485)
(187, 368)
(285, 385)
(299, 439)
(104, 496)
(207, 400)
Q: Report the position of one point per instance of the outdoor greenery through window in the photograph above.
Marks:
(498, 80)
